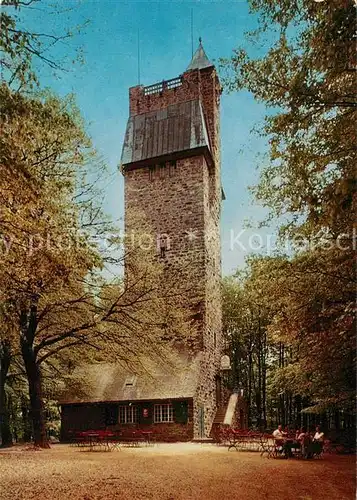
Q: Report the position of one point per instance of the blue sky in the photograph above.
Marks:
(110, 46)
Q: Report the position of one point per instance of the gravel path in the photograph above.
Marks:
(171, 472)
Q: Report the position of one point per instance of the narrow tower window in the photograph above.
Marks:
(163, 245)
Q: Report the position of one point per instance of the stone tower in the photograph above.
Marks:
(171, 166)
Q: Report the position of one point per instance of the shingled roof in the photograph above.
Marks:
(199, 59)
(177, 128)
(113, 382)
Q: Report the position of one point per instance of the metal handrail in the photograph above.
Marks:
(156, 88)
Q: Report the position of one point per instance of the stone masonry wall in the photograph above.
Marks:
(184, 203)
(210, 364)
(171, 204)
(206, 390)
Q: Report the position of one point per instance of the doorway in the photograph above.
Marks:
(201, 421)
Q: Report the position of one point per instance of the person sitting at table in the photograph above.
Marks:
(319, 436)
(279, 435)
(318, 441)
(309, 442)
(305, 442)
(289, 443)
(300, 436)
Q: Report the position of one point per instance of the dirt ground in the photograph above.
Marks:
(171, 472)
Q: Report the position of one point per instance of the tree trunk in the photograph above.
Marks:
(5, 431)
(264, 380)
(337, 420)
(26, 424)
(35, 393)
(250, 387)
(259, 389)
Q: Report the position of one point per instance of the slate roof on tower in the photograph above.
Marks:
(175, 129)
(199, 59)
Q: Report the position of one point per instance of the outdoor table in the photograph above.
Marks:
(267, 445)
(288, 444)
(233, 437)
(292, 443)
(244, 440)
(92, 439)
(132, 438)
(147, 436)
(110, 440)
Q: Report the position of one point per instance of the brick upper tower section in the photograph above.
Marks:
(195, 84)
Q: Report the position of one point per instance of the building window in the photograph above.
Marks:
(128, 414)
(130, 381)
(163, 244)
(163, 413)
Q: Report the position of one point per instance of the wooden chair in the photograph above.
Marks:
(266, 447)
(279, 450)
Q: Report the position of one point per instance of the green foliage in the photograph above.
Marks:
(23, 52)
(314, 315)
(52, 263)
(47, 198)
(51, 279)
(245, 317)
(290, 329)
(308, 79)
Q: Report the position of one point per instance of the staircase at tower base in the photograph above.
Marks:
(234, 414)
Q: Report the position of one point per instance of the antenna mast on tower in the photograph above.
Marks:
(191, 32)
(138, 57)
